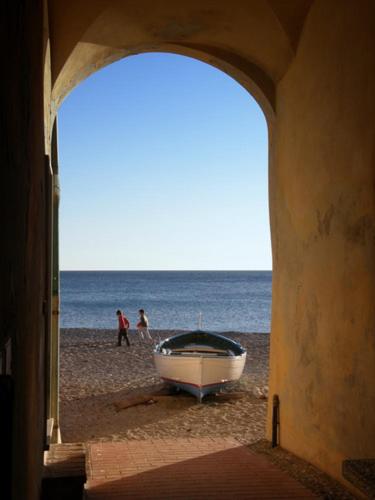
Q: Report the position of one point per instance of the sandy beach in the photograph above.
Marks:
(95, 374)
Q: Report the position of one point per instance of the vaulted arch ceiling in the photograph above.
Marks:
(254, 41)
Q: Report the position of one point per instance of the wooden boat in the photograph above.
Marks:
(199, 362)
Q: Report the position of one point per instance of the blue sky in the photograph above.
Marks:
(163, 165)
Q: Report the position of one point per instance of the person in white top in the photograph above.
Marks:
(142, 326)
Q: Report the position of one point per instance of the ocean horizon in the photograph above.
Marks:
(238, 301)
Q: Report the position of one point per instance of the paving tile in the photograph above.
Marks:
(185, 469)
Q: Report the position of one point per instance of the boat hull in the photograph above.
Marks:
(199, 374)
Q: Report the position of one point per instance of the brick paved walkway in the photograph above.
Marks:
(184, 469)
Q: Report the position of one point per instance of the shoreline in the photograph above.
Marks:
(95, 374)
(164, 331)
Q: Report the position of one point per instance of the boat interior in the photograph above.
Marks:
(200, 343)
(196, 350)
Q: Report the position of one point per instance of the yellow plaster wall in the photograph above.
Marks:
(323, 199)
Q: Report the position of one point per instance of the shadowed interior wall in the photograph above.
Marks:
(323, 187)
(22, 264)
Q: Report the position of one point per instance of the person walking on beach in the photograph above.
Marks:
(123, 326)
(142, 325)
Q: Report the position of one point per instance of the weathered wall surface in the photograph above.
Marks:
(322, 192)
(22, 263)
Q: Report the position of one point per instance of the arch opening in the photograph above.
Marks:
(267, 284)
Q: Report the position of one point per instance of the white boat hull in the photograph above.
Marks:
(199, 374)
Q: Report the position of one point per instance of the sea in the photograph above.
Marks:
(218, 301)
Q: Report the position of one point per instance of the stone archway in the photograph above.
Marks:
(316, 58)
(279, 52)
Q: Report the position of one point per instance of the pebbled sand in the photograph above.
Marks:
(95, 373)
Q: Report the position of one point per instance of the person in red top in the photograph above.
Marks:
(123, 325)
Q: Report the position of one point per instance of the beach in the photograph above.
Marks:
(95, 374)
